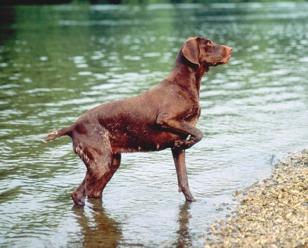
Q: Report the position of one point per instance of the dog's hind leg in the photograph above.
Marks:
(95, 182)
(95, 151)
(79, 194)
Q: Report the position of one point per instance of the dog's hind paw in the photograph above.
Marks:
(78, 200)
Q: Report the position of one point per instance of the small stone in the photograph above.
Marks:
(271, 213)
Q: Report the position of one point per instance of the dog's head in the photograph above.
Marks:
(201, 51)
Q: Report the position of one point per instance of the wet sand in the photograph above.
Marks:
(271, 213)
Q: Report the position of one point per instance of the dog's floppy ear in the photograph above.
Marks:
(190, 50)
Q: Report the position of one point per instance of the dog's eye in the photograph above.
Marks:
(209, 43)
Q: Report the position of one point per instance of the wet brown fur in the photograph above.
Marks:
(162, 117)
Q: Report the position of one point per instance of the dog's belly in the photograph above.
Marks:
(142, 141)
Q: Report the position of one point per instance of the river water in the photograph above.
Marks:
(58, 61)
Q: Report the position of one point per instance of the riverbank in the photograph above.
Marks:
(272, 213)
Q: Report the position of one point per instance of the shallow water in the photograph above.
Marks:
(58, 61)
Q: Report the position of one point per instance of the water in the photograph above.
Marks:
(58, 61)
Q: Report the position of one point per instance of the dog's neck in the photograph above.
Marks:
(187, 74)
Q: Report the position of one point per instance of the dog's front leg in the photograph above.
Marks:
(179, 161)
(192, 135)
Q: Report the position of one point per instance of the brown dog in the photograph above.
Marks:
(162, 117)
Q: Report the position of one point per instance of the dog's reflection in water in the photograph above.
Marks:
(97, 228)
(100, 230)
(184, 238)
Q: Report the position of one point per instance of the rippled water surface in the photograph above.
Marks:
(58, 61)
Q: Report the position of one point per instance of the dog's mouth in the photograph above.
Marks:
(226, 60)
(223, 61)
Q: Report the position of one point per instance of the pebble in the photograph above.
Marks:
(272, 213)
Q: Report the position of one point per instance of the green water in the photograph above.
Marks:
(58, 61)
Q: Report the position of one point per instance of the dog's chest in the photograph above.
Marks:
(193, 114)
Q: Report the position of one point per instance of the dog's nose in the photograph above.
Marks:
(229, 49)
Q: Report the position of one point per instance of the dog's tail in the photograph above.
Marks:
(58, 133)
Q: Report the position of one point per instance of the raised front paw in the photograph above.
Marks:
(184, 144)
(179, 143)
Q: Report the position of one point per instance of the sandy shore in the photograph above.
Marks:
(272, 213)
